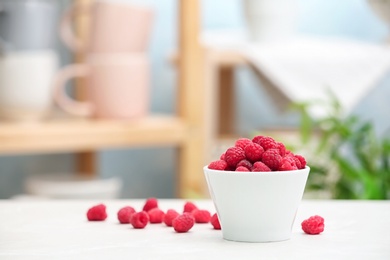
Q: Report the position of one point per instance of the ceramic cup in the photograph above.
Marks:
(117, 86)
(115, 27)
(28, 24)
(25, 84)
(256, 206)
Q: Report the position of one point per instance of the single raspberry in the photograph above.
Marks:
(297, 162)
(139, 219)
(242, 143)
(302, 160)
(313, 225)
(253, 152)
(222, 157)
(201, 215)
(156, 215)
(170, 216)
(189, 207)
(260, 167)
(97, 213)
(257, 139)
(267, 143)
(150, 204)
(242, 169)
(124, 214)
(282, 148)
(245, 163)
(218, 165)
(287, 164)
(272, 159)
(183, 223)
(215, 221)
(234, 155)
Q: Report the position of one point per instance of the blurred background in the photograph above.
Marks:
(259, 60)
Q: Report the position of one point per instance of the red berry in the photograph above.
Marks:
(287, 164)
(150, 204)
(170, 216)
(267, 143)
(242, 169)
(124, 214)
(218, 165)
(282, 148)
(257, 139)
(97, 213)
(215, 221)
(272, 159)
(245, 163)
(313, 225)
(139, 219)
(201, 215)
(183, 223)
(156, 215)
(260, 167)
(189, 207)
(253, 152)
(302, 160)
(234, 155)
(242, 142)
(222, 157)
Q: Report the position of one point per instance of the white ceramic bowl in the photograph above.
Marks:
(256, 206)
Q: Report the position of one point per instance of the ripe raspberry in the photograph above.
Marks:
(183, 223)
(260, 167)
(302, 160)
(245, 163)
(97, 213)
(253, 152)
(242, 169)
(272, 159)
(282, 149)
(267, 143)
(222, 157)
(257, 139)
(139, 219)
(297, 162)
(234, 155)
(215, 221)
(150, 204)
(156, 215)
(242, 143)
(170, 216)
(287, 164)
(189, 207)
(124, 214)
(313, 225)
(218, 165)
(201, 215)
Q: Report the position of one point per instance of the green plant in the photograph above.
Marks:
(349, 159)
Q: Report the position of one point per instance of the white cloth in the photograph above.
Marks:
(304, 68)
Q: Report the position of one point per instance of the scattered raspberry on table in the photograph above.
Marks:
(170, 216)
(215, 221)
(183, 223)
(124, 214)
(313, 225)
(201, 215)
(156, 215)
(97, 213)
(150, 204)
(139, 220)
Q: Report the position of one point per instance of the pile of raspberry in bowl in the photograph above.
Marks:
(261, 154)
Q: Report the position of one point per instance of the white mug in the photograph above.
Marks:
(26, 84)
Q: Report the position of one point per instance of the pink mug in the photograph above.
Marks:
(115, 27)
(117, 86)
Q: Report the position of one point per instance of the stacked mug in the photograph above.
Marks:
(116, 66)
(28, 60)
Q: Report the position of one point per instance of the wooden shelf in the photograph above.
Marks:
(85, 135)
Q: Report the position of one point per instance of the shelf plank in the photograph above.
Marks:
(86, 135)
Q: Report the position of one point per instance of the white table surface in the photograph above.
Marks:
(60, 230)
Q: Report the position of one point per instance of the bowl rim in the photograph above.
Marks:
(207, 170)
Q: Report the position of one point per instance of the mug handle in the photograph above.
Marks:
(65, 102)
(66, 32)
